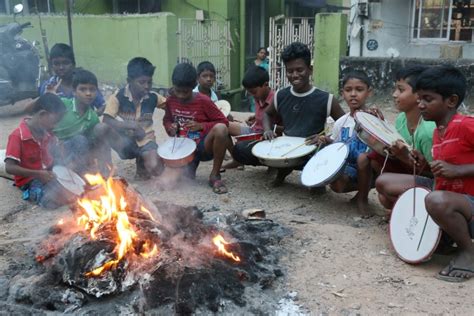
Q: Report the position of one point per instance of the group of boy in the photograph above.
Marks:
(428, 99)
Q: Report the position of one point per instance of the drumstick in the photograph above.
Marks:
(294, 148)
(422, 232)
(414, 176)
(271, 142)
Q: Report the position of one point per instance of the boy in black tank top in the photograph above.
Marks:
(302, 108)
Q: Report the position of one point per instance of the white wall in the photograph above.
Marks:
(388, 24)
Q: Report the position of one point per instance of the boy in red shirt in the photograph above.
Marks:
(198, 118)
(441, 90)
(28, 155)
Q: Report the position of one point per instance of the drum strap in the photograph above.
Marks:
(385, 161)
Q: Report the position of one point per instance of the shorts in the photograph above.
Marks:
(425, 182)
(49, 195)
(351, 171)
(201, 153)
(131, 150)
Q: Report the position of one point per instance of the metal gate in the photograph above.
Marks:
(207, 40)
(284, 31)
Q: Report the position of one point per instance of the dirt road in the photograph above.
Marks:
(336, 262)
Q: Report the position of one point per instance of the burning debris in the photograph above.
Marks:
(161, 257)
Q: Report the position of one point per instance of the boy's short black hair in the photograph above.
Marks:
(357, 74)
(296, 50)
(264, 48)
(82, 76)
(139, 66)
(205, 65)
(255, 77)
(62, 50)
(49, 102)
(184, 75)
(410, 74)
(445, 80)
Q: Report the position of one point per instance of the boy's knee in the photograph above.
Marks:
(380, 183)
(436, 203)
(221, 130)
(363, 161)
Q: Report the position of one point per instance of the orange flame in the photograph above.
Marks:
(110, 208)
(60, 222)
(220, 243)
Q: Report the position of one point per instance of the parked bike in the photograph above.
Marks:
(19, 63)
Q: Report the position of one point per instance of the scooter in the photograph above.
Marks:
(20, 68)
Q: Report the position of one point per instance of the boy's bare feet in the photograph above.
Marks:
(231, 165)
(280, 177)
(460, 269)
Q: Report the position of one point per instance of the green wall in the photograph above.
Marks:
(104, 44)
(329, 45)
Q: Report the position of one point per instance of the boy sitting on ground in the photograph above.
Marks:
(195, 116)
(255, 81)
(81, 146)
(416, 132)
(441, 91)
(133, 136)
(63, 63)
(28, 156)
(302, 108)
(356, 88)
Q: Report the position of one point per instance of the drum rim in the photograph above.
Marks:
(179, 139)
(391, 240)
(227, 105)
(333, 174)
(368, 131)
(62, 180)
(282, 158)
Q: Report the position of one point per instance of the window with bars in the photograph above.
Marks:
(448, 20)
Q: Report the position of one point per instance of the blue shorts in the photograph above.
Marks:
(50, 195)
(201, 153)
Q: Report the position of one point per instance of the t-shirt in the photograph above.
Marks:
(30, 153)
(260, 107)
(98, 102)
(121, 105)
(342, 131)
(73, 124)
(199, 109)
(456, 147)
(214, 97)
(423, 134)
(303, 114)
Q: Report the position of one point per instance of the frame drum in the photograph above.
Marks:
(414, 235)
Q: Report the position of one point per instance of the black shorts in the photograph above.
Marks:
(131, 150)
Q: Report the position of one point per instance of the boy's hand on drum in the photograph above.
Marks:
(399, 149)
(194, 126)
(376, 112)
(45, 176)
(417, 158)
(318, 140)
(250, 120)
(173, 129)
(443, 169)
(269, 135)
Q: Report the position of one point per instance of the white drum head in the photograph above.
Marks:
(284, 147)
(406, 230)
(224, 106)
(324, 165)
(3, 172)
(375, 126)
(69, 180)
(183, 147)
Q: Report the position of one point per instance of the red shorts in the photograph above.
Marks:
(392, 165)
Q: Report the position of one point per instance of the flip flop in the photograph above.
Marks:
(218, 186)
(456, 279)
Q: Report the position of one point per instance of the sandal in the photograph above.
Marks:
(217, 186)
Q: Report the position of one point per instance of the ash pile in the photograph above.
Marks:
(118, 254)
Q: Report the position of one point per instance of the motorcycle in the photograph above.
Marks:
(20, 67)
